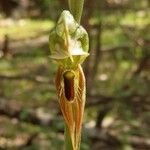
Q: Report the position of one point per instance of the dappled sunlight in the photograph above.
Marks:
(117, 74)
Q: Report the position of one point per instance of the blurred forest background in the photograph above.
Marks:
(117, 114)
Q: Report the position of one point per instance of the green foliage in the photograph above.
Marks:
(26, 28)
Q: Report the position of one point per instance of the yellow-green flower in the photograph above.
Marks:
(68, 44)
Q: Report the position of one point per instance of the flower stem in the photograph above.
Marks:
(76, 8)
(68, 143)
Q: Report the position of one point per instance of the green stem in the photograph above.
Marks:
(68, 143)
(76, 8)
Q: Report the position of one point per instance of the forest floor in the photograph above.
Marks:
(30, 117)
